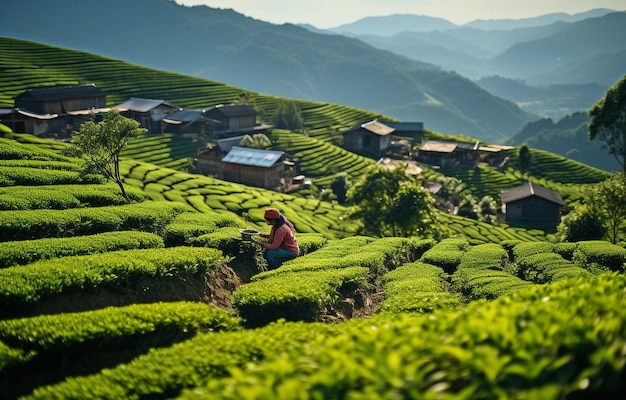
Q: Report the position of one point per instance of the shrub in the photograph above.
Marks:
(27, 251)
(599, 252)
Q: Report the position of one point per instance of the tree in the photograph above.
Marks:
(487, 210)
(468, 207)
(246, 98)
(256, 141)
(525, 158)
(608, 122)
(412, 212)
(288, 116)
(451, 189)
(390, 202)
(340, 186)
(585, 222)
(610, 198)
(102, 143)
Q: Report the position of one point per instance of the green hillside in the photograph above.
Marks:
(153, 299)
(101, 298)
(282, 60)
(25, 64)
(568, 137)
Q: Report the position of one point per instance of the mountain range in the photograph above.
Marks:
(582, 53)
(567, 137)
(282, 60)
(436, 83)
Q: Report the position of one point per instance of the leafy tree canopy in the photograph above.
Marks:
(388, 202)
(610, 197)
(608, 122)
(102, 142)
(256, 141)
(288, 116)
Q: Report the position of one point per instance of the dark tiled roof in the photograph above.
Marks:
(530, 189)
(185, 115)
(55, 93)
(233, 110)
(406, 126)
(227, 144)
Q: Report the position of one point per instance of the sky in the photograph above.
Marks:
(326, 14)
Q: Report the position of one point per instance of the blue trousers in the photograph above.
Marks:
(275, 258)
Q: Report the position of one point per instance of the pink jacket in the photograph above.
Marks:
(282, 237)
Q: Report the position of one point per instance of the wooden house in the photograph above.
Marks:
(254, 167)
(531, 204)
(209, 160)
(408, 130)
(148, 112)
(447, 154)
(235, 120)
(55, 111)
(189, 123)
(370, 139)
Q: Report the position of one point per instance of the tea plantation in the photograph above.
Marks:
(104, 299)
(153, 299)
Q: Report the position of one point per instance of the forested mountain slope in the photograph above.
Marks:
(285, 60)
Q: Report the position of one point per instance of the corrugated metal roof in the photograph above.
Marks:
(90, 111)
(374, 126)
(32, 114)
(254, 157)
(439, 147)
(141, 105)
(530, 189)
(378, 128)
(61, 92)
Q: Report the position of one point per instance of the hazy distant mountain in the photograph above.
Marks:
(579, 55)
(552, 101)
(546, 19)
(574, 43)
(393, 24)
(283, 60)
(567, 137)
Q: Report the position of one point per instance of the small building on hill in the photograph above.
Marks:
(235, 120)
(408, 130)
(209, 160)
(189, 123)
(148, 112)
(532, 205)
(254, 167)
(371, 139)
(55, 111)
(447, 154)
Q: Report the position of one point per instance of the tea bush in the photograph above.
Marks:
(27, 251)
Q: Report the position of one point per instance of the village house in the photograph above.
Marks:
(55, 111)
(189, 123)
(148, 112)
(209, 160)
(254, 167)
(235, 120)
(441, 154)
(370, 139)
(413, 131)
(532, 205)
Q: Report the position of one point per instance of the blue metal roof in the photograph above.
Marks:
(250, 156)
